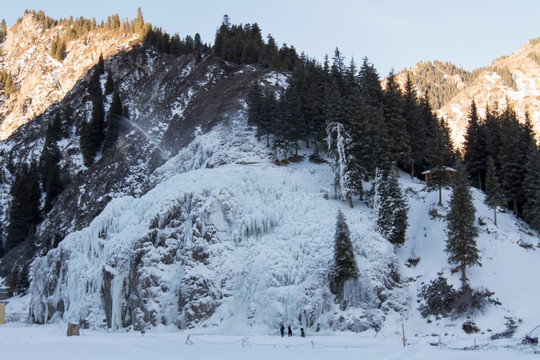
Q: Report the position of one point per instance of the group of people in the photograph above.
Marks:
(289, 331)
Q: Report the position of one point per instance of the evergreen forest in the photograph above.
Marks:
(367, 129)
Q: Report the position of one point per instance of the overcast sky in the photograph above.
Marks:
(390, 33)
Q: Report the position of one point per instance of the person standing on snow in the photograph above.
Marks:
(302, 333)
(290, 331)
(282, 329)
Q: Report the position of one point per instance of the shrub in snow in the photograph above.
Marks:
(438, 298)
(470, 327)
(412, 261)
(511, 326)
(441, 299)
(469, 301)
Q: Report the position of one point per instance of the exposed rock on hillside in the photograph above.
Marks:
(169, 100)
(41, 80)
(489, 88)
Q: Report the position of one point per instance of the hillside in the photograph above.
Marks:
(441, 81)
(165, 99)
(207, 199)
(491, 88)
(42, 80)
(510, 80)
(236, 247)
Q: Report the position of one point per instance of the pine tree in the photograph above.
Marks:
(109, 84)
(3, 30)
(255, 103)
(100, 66)
(494, 195)
(58, 48)
(512, 160)
(531, 208)
(415, 126)
(344, 267)
(290, 122)
(367, 122)
(52, 184)
(23, 281)
(138, 22)
(13, 280)
(268, 115)
(399, 147)
(475, 147)
(24, 207)
(112, 124)
(337, 70)
(92, 134)
(461, 244)
(7, 84)
(313, 105)
(333, 104)
(197, 48)
(492, 132)
(390, 206)
(440, 154)
(54, 130)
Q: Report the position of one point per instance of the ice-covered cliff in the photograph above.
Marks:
(234, 240)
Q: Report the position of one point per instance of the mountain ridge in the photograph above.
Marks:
(511, 80)
(42, 80)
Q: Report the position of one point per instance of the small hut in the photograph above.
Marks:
(448, 171)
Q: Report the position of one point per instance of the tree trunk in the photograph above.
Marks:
(479, 182)
(463, 274)
(350, 202)
(440, 195)
(495, 215)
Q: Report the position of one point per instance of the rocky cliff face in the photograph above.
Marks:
(41, 80)
(489, 88)
(169, 100)
(520, 89)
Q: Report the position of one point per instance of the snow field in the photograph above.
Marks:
(25, 342)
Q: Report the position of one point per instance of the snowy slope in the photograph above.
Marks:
(227, 246)
(228, 242)
(509, 257)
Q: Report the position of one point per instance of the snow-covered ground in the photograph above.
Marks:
(28, 342)
(271, 230)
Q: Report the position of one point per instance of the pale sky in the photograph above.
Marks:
(390, 33)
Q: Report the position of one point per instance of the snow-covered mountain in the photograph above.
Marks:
(237, 243)
(188, 221)
(168, 100)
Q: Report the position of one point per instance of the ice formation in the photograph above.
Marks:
(224, 241)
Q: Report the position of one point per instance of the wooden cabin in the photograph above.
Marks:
(446, 169)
